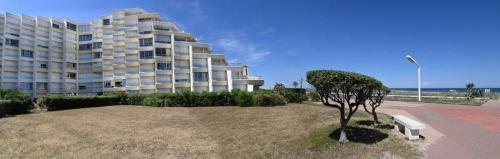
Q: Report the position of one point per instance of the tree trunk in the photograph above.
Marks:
(343, 135)
(375, 117)
(343, 128)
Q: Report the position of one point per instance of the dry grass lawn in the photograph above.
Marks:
(293, 131)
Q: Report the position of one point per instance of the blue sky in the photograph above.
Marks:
(454, 41)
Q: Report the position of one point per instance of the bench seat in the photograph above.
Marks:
(410, 127)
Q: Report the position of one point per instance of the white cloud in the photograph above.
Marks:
(232, 43)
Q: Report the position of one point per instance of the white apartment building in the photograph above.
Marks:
(128, 51)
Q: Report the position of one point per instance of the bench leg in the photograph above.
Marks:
(412, 134)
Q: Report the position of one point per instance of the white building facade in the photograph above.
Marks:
(128, 51)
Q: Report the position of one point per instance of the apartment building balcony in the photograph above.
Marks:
(108, 47)
(146, 48)
(120, 77)
(163, 58)
(182, 70)
(118, 32)
(162, 45)
(107, 68)
(132, 75)
(200, 69)
(141, 36)
(146, 61)
(183, 84)
(127, 51)
(119, 43)
(219, 83)
(200, 84)
(131, 28)
(133, 88)
(69, 80)
(119, 65)
(181, 56)
(201, 55)
(96, 60)
(134, 63)
(164, 72)
(147, 74)
(164, 85)
(219, 68)
(26, 68)
(117, 54)
(148, 86)
(107, 57)
(108, 77)
(114, 89)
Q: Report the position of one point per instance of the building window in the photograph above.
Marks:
(146, 42)
(83, 47)
(71, 26)
(200, 76)
(85, 37)
(55, 26)
(42, 46)
(107, 84)
(44, 65)
(119, 84)
(145, 32)
(97, 55)
(161, 52)
(97, 45)
(71, 75)
(146, 54)
(42, 86)
(81, 87)
(27, 53)
(164, 66)
(84, 28)
(11, 42)
(106, 22)
(26, 86)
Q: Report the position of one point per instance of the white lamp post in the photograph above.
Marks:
(409, 58)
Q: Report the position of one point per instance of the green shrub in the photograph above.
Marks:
(242, 98)
(266, 99)
(134, 99)
(53, 103)
(14, 102)
(182, 99)
(314, 96)
(295, 95)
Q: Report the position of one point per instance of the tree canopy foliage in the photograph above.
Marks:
(344, 91)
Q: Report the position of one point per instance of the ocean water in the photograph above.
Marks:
(444, 90)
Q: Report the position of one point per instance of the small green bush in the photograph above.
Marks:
(14, 102)
(295, 95)
(134, 99)
(314, 96)
(53, 103)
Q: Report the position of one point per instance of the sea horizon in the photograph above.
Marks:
(445, 89)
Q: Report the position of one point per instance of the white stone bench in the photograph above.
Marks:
(411, 127)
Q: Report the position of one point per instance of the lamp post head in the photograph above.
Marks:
(409, 58)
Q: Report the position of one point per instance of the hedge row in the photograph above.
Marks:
(71, 102)
(14, 102)
(295, 95)
(183, 99)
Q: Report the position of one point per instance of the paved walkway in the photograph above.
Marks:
(455, 131)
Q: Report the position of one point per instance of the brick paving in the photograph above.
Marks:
(468, 131)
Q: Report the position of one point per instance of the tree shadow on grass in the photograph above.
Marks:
(360, 135)
(370, 123)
